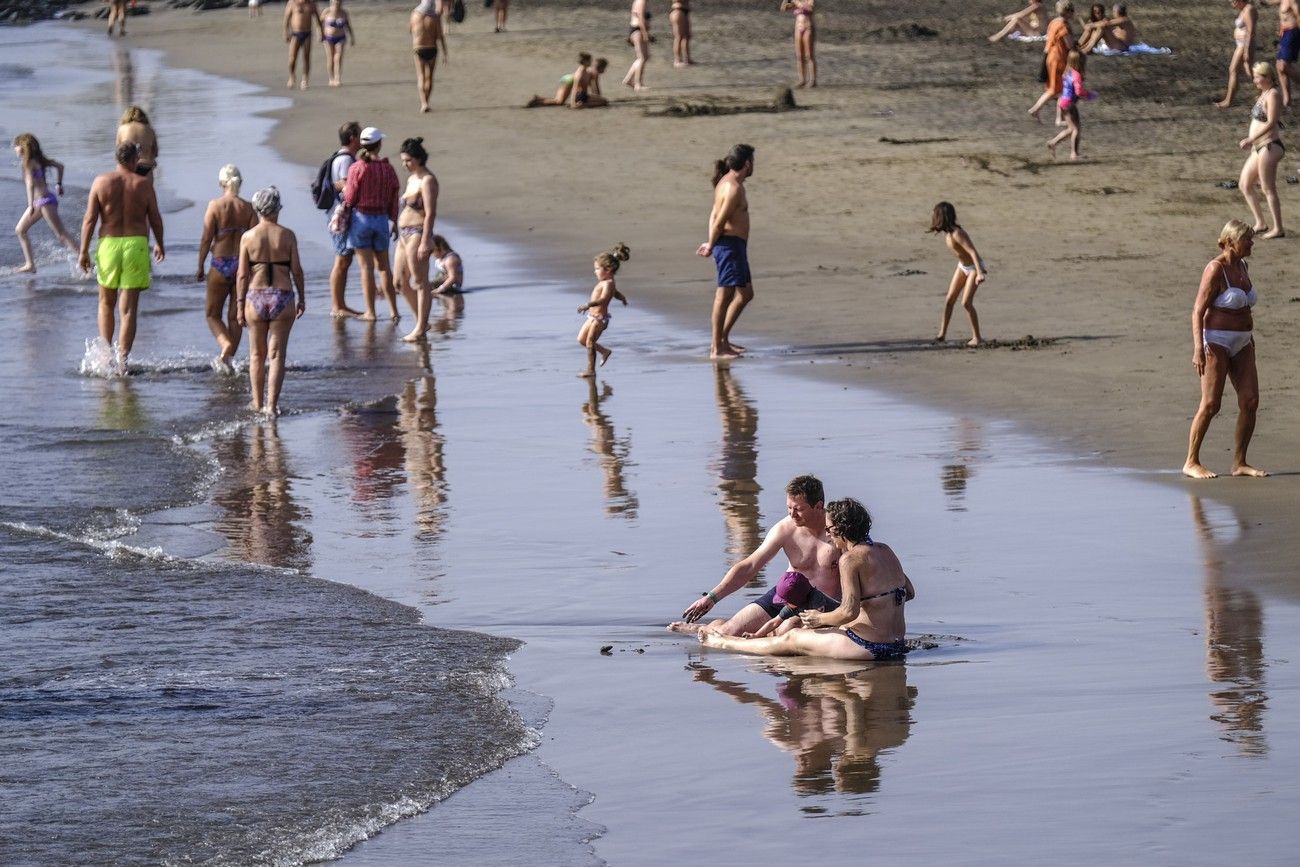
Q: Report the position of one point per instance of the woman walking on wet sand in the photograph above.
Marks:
(970, 272)
(605, 267)
(805, 39)
(1223, 348)
(268, 271)
(1265, 146)
(638, 36)
(337, 31)
(41, 203)
(679, 18)
(226, 220)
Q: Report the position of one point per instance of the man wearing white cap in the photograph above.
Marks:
(426, 35)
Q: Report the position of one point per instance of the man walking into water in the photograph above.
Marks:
(125, 207)
(803, 538)
(727, 243)
(344, 157)
(426, 34)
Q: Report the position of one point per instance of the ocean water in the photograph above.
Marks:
(198, 697)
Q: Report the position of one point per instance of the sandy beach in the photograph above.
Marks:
(1037, 526)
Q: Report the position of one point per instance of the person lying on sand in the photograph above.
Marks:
(868, 624)
(1028, 22)
(802, 536)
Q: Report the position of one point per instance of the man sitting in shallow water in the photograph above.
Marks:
(869, 623)
(802, 536)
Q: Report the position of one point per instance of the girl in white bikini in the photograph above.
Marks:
(970, 272)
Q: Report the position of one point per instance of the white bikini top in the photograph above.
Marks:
(1233, 298)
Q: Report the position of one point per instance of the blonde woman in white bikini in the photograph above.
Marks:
(1223, 348)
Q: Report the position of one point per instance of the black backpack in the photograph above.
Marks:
(458, 11)
(322, 189)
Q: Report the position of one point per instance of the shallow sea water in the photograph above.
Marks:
(1103, 687)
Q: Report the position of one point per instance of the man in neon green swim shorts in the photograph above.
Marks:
(125, 207)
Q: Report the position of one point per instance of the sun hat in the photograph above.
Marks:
(793, 589)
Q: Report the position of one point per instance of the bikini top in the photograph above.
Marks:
(336, 23)
(417, 205)
(270, 265)
(1232, 297)
(1259, 113)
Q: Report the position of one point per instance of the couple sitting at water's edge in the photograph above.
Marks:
(846, 590)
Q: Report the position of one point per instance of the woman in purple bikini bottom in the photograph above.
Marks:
(227, 219)
(268, 271)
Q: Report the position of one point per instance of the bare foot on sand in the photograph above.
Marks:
(27, 269)
(345, 313)
(683, 628)
(414, 336)
(1051, 148)
(1035, 116)
(368, 316)
(1276, 233)
(1196, 471)
(604, 355)
(724, 353)
(973, 343)
(1248, 470)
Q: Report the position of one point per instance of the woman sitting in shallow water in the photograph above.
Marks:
(869, 624)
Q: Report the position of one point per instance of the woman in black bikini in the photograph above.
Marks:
(268, 262)
(1266, 150)
(638, 36)
(415, 233)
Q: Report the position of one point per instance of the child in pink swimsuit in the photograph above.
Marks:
(1072, 90)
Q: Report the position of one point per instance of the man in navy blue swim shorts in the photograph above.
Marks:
(1288, 46)
(728, 245)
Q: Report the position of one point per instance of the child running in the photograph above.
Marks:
(1072, 90)
(40, 201)
(597, 309)
(970, 272)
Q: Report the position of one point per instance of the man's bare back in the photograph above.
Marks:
(125, 203)
(426, 30)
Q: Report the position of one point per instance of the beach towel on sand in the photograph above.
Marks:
(1133, 50)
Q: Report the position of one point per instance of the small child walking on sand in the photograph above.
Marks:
(597, 309)
(970, 272)
(41, 203)
(1072, 90)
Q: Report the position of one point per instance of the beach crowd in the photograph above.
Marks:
(843, 594)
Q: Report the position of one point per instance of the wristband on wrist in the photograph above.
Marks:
(713, 597)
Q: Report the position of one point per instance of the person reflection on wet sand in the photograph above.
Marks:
(611, 451)
(737, 467)
(123, 78)
(955, 475)
(426, 469)
(119, 407)
(1234, 648)
(835, 724)
(261, 520)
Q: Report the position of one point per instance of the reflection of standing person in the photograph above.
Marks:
(970, 272)
(1059, 42)
(415, 230)
(610, 450)
(426, 35)
(125, 207)
(1223, 348)
(638, 36)
(737, 467)
(728, 244)
(869, 622)
(371, 191)
(299, 18)
(261, 520)
(802, 536)
(337, 31)
(805, 41)
(268, 272)
(1234, 646)
(1243, 55)
(604, 267)
(41, 203)
(1266, 150)
(422, 442)
(226, 220)
(679, 17)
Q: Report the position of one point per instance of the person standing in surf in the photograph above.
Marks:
(124, 206)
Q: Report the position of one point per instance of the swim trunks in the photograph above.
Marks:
(879, 650)
(368, 231)
(301, 36)
(816, 601)
(123, 263)
(731, 255)
(1288, 46)
(428, 55)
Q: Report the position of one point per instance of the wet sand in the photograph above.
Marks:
(1056, 572)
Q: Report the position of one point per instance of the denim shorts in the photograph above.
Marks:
(369, 232)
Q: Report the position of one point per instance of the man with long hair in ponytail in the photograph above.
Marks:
(727, 243)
